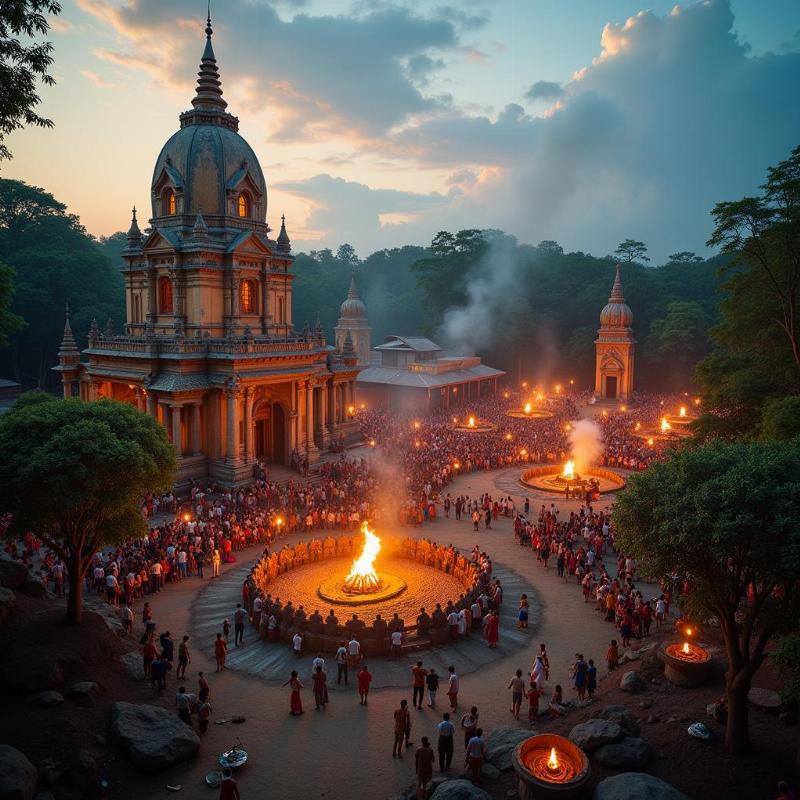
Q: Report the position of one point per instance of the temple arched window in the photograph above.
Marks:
(248, 297)
(165, 295)
(170, 204)
(243, 205)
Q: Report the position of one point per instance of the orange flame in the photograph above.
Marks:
(686, 648)
(682, 412)
(665, 426)
(528, 408)
(471, 422)
(363, 572)
(569, 470)
(552, 762)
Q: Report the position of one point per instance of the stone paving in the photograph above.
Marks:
(344, 751)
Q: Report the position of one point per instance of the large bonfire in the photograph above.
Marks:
(362, 578)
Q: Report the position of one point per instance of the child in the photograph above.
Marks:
(226, 629)
(612, 655)
(591, 679)
(523, 612)
(533, 694)
(363, 678)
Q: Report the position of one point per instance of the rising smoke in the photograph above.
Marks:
(586, 441)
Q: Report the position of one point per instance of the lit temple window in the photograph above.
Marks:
(244, 205)
(165, 295)
(248, 298)
(169, 202)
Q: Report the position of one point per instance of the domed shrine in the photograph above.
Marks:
(209, 347)
(354, 326)
(614, 348)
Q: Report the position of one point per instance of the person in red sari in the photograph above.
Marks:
(295, 704)
(320, 680)
(492, 629)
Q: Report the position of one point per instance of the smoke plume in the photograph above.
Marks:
(586, 440)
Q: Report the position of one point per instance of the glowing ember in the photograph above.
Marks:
(568, 427)
(558, 388)
(665, 426)
(650, 441)
(471, 422)
(637, 426)
(528, 408)
(688, 631)
(569, 470)
(552, 762)
(363, 578)
(682, 412)
(508, 436)
(372, 443)
(351, 410)
(686, 648)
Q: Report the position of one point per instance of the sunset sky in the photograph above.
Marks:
(380, 123)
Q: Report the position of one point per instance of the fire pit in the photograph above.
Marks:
(472, 425)
(528, 411)
(552, 478)
(685, 664)
(669, 429)
(548, 766)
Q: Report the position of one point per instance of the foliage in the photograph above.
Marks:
(9, 322)
(632, 250)
(75, 473)
(54, 260)
(724, 515)
(23, 64)
(780, 418)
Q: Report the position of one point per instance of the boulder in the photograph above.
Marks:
(636, 784)
(623, 717)
(152, 737)
(594, 733)
(500, 746)
(84, 692)
(7, 603)
(28, 672)
(631, 682)
(17, 775)
(459, 790)
(765, 699)
(83, 772)
(132, 662)
(50, 698)
(630, 753)
(50, 771)
(33, 586)
(12, 573)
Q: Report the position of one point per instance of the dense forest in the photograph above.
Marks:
(534, 312)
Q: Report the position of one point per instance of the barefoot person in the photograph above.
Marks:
(220, 652)
(295, 703)
(363, 679)
(517, 686)
(402, 720)
(476, 752)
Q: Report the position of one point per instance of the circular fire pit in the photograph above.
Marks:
(550, 766)
(528, 411)
(472, 425)
(552, 478)
(336, 590)
(685, 664)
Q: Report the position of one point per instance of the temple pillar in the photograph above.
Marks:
(249, 449)
(150, 318)
(196, 444)
(152, 405)
(233, 426)
(309, 416)
(176, 429)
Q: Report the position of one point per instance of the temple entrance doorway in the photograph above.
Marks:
(611, 387)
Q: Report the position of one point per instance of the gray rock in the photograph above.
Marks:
(500, 746)
(623, 717)
(26, 672)
(12, 573)
(765, 699)
(490, 772)
(133, 664)
(84, 692)
(637, 785)
(50, 771)
(630, 753)
(152, 737)
(631, 682)
(83, 772)
(7, 603)
(50, 698)
(594, 733)
(17, 775)
(459, 790)
(34, 587)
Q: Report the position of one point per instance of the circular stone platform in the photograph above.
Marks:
(536, 413)
(333, 590)
(544, 478)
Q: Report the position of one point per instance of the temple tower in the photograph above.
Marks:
(614, 348)
(353, 320)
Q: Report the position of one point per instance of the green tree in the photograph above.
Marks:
(787, 657)
(9, 322)
(347, 255)
(75, 473)
(24, 63)
(725, 516)
(677, 341)
(780, 419)
(631, 250)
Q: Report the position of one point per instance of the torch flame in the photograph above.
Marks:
(471, 422)
(569, 470)
(637, 426)
(665, 426)
(682, 412)
(528, 408)
(362, 574)
(552, 762)
(686, 648)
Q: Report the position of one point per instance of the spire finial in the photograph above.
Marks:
(616, 290)
(208, 21)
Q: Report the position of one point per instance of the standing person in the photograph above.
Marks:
(423, 760)
(523, 611)
(295, 704)
(432, 682)
(149, 653)
(228, 790)
(363, 679)
(420, 673)
(612, 655)
(184, 659)
(445, 743)
(184, 702)
(469, 723)
(517, 686)
(492, 629)
(297, 645)
(220, 652)
(545, 661)
(452, 688)
(320, 680)
(353, 652)
(216, 560)
(539, 672)
(226, 630)
(396, 643)
(238, 625)
(127, 618)
(203, 715)
(591, 679)
(579, 675)
(204, 690)
(533, 694)
(402, 719)
(476, 752)
(341, 664)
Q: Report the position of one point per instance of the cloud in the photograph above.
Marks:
(314, 76)
(544, 90)
(98, 80)
(60, 25)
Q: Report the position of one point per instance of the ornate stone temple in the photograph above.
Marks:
(353, 322)
(209, 347)
(614, 348)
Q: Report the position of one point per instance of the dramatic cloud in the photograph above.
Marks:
(544, 90)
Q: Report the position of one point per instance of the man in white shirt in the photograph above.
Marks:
(319, 661)
(297, 645)
(354, 651)
(397, 643)
(452, 688)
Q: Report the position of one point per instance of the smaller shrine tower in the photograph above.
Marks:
(353, 321)
(614, 348)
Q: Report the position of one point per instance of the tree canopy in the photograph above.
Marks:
(75, 473)
(724, 514)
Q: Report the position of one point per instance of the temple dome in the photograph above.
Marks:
(353, 307)
(207, 163)
(616, 313)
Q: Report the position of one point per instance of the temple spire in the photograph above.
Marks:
(616, 290)
(209, 88)
(68, 346)
(284, 245)
(352, 292)
(134, 234)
